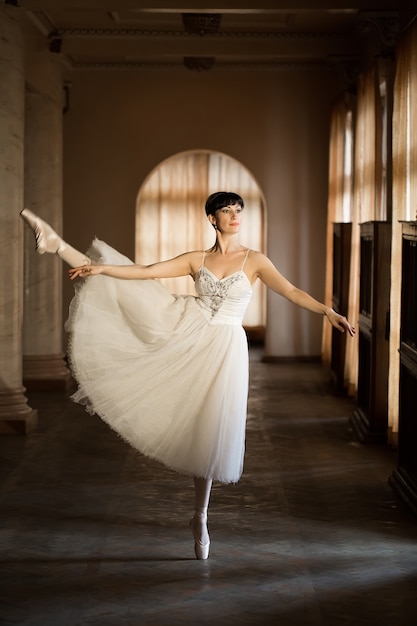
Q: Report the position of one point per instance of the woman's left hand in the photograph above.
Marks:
(340, 322)
(84, 271)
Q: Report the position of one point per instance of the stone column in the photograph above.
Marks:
(44, 367)
(16, 417)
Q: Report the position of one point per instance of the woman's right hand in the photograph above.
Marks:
(84, 271)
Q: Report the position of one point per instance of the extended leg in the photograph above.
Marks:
(202, 487)
(47, 240)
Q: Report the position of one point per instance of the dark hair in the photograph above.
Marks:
(221, 199)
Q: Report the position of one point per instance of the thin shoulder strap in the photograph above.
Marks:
(202, 260)
(244, 260)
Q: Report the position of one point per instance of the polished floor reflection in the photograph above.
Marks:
(92, 533)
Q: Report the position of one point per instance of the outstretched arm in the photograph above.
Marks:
(181, 265)
(269, 275)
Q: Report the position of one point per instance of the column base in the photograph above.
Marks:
(16, 417)
(404, 484)
(46, 372)
(363, 429)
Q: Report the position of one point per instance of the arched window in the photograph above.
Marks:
(170, 216)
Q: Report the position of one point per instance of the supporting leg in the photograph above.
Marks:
(202, 487)
(47, 240)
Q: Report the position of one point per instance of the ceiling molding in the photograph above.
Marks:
(114, 33)
(90, 37)
(71, 63)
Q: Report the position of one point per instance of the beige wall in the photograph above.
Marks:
(121, 124)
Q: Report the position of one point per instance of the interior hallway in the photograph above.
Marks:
(92, 533)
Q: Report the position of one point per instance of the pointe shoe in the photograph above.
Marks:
(46, 238)
(201, 549)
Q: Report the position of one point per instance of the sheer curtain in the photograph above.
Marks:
(167, 223)
(367, 156)
(358, 184)
(370, 175)
(170, 217)
(404, 196)
(340, 194)
(363, 207)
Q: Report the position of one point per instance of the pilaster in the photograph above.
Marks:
(16, 417)
(44, 367)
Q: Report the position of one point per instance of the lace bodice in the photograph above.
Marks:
(224, 300)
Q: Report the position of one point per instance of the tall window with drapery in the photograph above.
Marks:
(404, 206)
(359, 183)
(170, 217)
(340, 193)
(371, 172)
(363, 204)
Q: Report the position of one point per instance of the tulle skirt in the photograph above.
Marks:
(153, 367)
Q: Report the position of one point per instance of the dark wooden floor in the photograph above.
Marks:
(92, 533)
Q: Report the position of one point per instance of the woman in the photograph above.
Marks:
(170, 373)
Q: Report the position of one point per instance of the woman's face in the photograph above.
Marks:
(228, 218)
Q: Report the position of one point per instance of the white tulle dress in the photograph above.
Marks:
(168, 373)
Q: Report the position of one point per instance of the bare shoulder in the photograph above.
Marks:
(194, 258)
(191, 255)
(256, 255)
(257, 265)
(180, 265)
(258, 260)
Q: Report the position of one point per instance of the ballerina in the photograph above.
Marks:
(170, 373)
